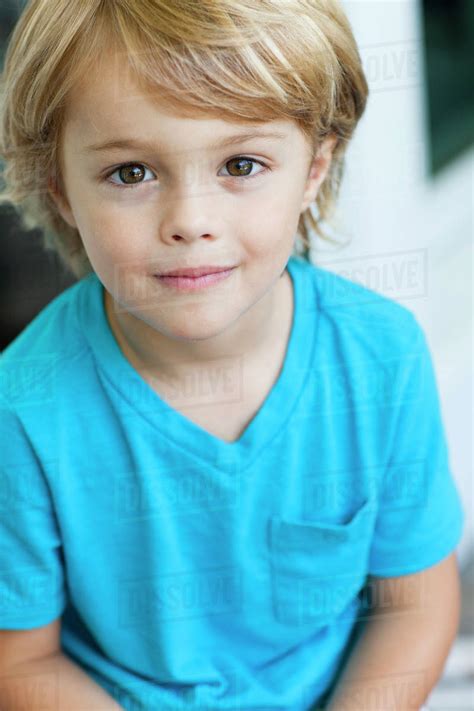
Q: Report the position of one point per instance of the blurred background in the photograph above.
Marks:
(404, 223)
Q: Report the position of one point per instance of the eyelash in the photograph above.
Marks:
(135, 185)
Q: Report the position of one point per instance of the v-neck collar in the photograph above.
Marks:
(271, 418)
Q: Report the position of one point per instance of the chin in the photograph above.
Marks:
(196, 332)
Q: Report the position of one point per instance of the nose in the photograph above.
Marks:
(190, 213)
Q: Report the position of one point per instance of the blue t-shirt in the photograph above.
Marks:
(191, 572)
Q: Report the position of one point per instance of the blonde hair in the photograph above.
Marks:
(238, 60)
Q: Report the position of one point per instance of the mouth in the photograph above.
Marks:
(194, 272)
(203, 279)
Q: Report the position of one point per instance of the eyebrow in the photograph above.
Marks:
(121, 143)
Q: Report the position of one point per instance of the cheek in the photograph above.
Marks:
(275, 220)
(113, 234)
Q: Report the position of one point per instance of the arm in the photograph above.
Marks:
(35, 674)
(402, 651)
(54, 683)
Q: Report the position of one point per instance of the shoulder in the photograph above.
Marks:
(51, 341)
(362, 321)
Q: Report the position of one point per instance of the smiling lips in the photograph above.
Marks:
(195, 272)
(194, 279)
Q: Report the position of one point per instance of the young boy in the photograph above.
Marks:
(204, 474)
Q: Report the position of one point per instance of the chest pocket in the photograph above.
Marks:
(317, 569)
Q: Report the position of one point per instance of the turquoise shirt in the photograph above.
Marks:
(191, 572)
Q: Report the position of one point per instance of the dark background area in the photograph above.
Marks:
(448, 27)
(30, 277)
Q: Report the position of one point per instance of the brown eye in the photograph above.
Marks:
(131, 174)
(244, 165)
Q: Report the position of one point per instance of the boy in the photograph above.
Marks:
(207, 471)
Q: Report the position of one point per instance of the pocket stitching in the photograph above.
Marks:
(283, 576)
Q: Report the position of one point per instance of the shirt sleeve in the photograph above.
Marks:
(32, 584)
(420, 518)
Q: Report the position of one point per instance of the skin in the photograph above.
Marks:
(189, 207)
(402, 652)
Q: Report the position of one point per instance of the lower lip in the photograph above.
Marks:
(194, 283)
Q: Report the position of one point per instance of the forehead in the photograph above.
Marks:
(109, 104)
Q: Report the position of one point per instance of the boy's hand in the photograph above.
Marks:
(401, 653)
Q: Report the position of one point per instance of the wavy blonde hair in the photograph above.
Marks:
(238, 60)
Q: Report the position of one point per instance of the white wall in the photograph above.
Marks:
(411, 236)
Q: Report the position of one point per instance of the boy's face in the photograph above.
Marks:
(188, 203)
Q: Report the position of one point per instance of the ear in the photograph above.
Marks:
(61, 202)
(318, 170)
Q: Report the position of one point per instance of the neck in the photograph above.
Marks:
(253, 335)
